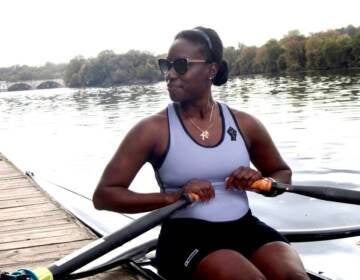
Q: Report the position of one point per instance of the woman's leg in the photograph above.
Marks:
(226, 264)
(278, 260)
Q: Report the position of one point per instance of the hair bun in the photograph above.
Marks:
(222, 75)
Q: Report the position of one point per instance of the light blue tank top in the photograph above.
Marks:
(186, 159)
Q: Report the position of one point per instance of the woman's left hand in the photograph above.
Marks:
(242, 178)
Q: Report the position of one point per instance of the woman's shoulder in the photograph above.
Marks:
(151, 134)
(250, 125)
(155, 121)
(244, 118)
(149, 129)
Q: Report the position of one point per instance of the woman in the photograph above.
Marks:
(203, 148)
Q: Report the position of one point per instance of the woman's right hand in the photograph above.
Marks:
(200, 188)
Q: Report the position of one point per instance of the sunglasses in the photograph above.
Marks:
(180, 65)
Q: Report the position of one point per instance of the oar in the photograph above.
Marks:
(98, 248)
(320, 192)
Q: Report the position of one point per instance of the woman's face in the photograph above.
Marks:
(195, 83)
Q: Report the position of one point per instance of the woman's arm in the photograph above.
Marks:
(136, 149)
(263, 154)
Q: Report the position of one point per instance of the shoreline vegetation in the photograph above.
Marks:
(328, 50)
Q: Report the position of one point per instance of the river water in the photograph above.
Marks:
(66, 136)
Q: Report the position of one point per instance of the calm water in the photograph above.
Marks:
(67, 136)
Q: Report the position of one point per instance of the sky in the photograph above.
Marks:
(34, 32)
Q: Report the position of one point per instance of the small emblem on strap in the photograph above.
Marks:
(232, 132)
(190, 257)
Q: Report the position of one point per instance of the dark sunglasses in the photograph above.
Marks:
(180, 65)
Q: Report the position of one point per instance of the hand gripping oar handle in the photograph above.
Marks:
(324, 193)
(92, 251)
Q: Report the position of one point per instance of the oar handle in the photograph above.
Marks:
(266, 185)
(262, 185)
(324, 193)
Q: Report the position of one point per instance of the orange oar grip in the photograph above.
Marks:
(193, 196)
(263, 185)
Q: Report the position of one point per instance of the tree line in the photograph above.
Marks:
(22, 73)
(333, 49)
(109, 69)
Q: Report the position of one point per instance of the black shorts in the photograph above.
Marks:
(183, 243)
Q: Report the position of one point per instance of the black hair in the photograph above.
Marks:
(212, 49)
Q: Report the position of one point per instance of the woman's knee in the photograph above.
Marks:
(226, 264)
(278, 260)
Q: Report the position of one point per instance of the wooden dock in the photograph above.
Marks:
(35, 230)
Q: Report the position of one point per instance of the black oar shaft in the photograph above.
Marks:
(324, 193)
(104, 245)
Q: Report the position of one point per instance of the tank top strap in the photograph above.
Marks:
(228, 118)
(174, 121)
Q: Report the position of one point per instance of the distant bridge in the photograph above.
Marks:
(32, 84)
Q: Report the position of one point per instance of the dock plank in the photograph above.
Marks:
(38, 232)
(41, 240)
(39, 254)
(26, 215)
(22, 202)
(35, 230)
(31, 223)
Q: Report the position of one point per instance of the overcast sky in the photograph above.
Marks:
(33, 32)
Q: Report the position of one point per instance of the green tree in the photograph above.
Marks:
(349, 30)
(120, 73)
(272, 53)
(355, 51)
(314, 54)
(337, 51)
(293, 57)
(92, 74)
(232, 55)
(246, 61)
(329, 50)
(259, 61)
(106, 61)
(72, 76)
